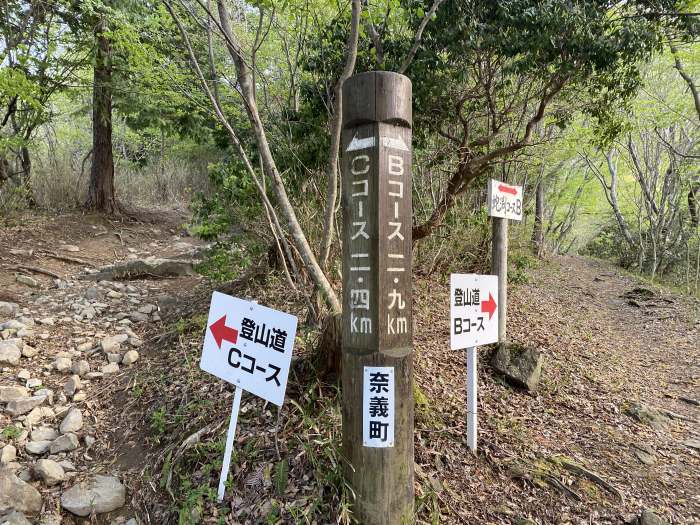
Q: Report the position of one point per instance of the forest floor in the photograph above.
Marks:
(611, 430)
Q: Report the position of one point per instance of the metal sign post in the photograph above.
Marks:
(249, 346)
(377, 366)
(473, 303)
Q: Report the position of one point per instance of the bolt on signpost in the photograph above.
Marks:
(473, 302)
(505, 202)
(377, 364)
(249, 346)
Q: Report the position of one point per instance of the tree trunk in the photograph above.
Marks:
(537, 231)
(100, 195)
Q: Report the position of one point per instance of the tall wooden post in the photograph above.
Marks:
(499, 266)
(377, 366)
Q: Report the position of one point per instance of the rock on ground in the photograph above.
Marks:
(8, 454)
(24, 405)
(8, 309)
(65, 443)
(50, 472)
(14, 518)
(519, 364)
(72, 422)
(17, 494)
(647, 415)
(12, 393)
(98, 494)
(9, 353)
(146, 268)
(130, 357)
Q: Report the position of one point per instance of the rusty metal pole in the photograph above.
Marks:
(377, 363)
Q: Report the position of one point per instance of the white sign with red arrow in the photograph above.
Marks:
(250, 346)
(473, 322)
(473, 305)
(505, 200)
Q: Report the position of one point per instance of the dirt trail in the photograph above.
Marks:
(81, 342)
(606, 353)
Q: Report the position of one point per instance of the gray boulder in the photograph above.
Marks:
(8, 309)
(9, 353)
(14, 518)
(12, 393)
(65, 443)
(521, 365)
(72, 422)
(17, 495)
(647, 517)
(24, 405)
(647, 415)
(146, 268)
(98, 494)
(50, 472)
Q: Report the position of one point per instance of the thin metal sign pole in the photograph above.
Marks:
(471, 397)
(229, 441)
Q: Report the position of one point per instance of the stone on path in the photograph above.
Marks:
(65, 443)
(143, 268)
(50, 472)
(72, 385)
(692, 443)
(29, 351)
(113, 343)
(38, 447)
(14, 518)
(80, 368)
(648, 517)
(22, 406)
(17, 494)
(98, 494)
(130, 357)
(63, 364)
(647, 415)
(111, 368)
(9, 353)
(519, 364)
(29, 281)
(8, 309)
(43, 434)
(8, 454)
(72, 422)
(12, 393)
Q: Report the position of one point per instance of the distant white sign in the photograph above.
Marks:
(473, 305)
(378, 407)
(505, 201)
(249, 346)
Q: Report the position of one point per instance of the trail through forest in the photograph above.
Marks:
(611, 430)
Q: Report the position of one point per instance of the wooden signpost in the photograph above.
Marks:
(377, 364)
(505, 202)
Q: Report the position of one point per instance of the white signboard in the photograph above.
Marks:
(505, 200)
(249, 346)
(378, 406)
(473, 305)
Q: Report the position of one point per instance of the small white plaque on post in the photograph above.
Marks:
(505, 200)
(378, 406)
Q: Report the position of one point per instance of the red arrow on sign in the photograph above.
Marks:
(222, 332)
(507, 189)
(489, 306)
